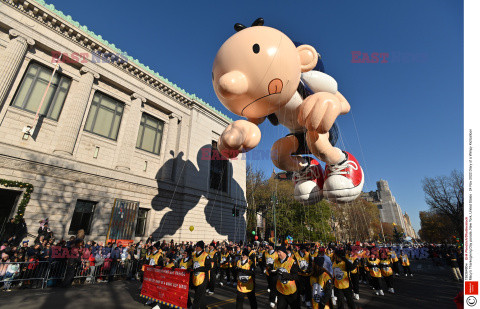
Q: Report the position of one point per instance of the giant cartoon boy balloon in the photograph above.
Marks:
(259, 73)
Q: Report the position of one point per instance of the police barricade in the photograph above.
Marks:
(41, 274)
(56, 273)
(24, 274)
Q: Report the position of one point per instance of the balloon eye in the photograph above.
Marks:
(256, 48)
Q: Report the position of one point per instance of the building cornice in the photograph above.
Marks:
(47, 15)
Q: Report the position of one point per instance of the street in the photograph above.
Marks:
(429, 288)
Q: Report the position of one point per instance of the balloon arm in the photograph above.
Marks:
(239, 136)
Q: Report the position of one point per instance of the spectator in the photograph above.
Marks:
(9, 230)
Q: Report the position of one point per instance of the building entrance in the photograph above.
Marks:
(8, 203)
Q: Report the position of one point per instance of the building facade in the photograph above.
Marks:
(114, 142)
(390, 210)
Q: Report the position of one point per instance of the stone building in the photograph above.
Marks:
(390, 210)
(117, 149)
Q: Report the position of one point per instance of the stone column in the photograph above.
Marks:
(171, 148)
(11, 59)
(73, 112)
(127, 141)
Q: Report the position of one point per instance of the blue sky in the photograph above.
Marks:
(408, 112)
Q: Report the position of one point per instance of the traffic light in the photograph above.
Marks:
(233, 212)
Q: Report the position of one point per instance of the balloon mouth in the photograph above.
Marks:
(274, 87)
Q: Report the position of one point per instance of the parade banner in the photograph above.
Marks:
(166, 286)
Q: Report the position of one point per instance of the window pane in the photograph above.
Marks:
(116, 125)
(57, 105)
(148, 139)
(103, 122)
(35, 96)
(82, 216)
(32, 69)
(33, 88)
(22, 93)
(107, 120)
(44, 74)
(151, 122)
(91, 115)
(76, 219)
(108, 103)
(47, 101)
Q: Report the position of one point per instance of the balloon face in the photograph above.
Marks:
(256, 71)
(191, 228)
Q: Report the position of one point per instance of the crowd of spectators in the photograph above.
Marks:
(22, 260)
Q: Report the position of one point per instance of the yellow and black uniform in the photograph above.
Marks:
(201, 266)
(154, 258)
(286, 274)
(170, 265)
(303, 260)
(212, 275)
(395, 262)
(354, 273)
(225, 266)
(405, 264)
(245, 282)
(387, 271)
(185, 263)
(268, 259)
(341, 267)
(253, 257)
(375, 272)
(322, 286)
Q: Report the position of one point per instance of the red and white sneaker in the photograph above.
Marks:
(309, 183)
(343, 181)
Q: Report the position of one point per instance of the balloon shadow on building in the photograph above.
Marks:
(189, 185)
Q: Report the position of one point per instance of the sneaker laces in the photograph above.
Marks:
(306, 173)
(338, 169)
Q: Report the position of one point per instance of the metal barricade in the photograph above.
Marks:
(25, 274)
(41, 274)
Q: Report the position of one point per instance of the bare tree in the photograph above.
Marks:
(444, 195)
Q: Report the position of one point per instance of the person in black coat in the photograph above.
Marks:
(20, 232)
(73, 261)
(10, 227)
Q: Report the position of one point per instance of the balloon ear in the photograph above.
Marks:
(308, 57)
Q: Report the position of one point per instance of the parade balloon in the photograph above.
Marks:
(191, 228)
(259, 73)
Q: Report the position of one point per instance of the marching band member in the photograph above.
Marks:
(287, 273)
(246, 281)
(386, 270)
(394, 260)
(341, 267)
(322, 285)
(375, 273)
(269, 257)
(405, 264)
(212, 275)
(354, 276)
(225, 265)
(201, 266)
(303, 258)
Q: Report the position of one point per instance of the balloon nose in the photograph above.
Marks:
(233, 83)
